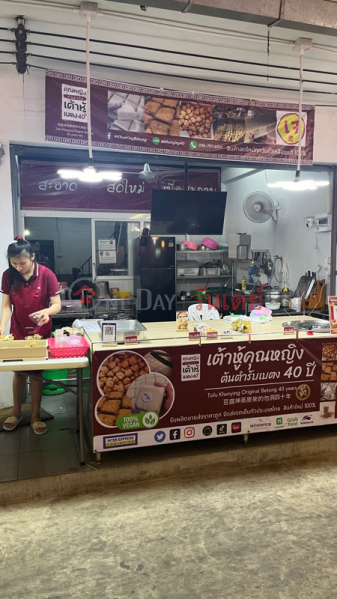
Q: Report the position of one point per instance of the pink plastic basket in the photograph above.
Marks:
(73, 347)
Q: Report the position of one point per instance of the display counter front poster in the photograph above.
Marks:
(145, 397)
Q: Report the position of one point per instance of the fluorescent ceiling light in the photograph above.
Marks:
(299, 185)
(90, 175)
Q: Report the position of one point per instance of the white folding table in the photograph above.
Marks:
(55, 364)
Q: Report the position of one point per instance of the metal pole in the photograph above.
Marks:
(79, 374)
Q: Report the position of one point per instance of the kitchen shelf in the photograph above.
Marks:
(204, 276)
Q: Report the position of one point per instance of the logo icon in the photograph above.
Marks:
(175, 434)
(160, 436)
(303, 392)
(221, 429)
(236, 427)
(85, 290)
(189, 432)
(156, 140)
(207, 431)
(193, 145)
(108, 135)
(279, 421)
(120, 440)
(150, 419)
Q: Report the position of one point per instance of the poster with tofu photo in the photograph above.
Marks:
(125, 112)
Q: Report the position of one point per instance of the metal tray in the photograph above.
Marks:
(129, 327)
(307, 325)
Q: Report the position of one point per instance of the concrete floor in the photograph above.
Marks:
(267, 533)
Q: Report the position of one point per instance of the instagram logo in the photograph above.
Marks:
(189, 432)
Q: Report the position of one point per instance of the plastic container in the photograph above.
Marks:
(68, 347)
(273, 305)
(210, 243)
(123, 294)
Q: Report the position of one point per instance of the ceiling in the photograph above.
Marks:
(164, 48)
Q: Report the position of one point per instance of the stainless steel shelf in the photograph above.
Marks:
(201, 251)
(204, 276)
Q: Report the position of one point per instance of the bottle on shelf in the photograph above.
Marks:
(243, 284)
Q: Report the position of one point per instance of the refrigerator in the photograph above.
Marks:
(155, 278)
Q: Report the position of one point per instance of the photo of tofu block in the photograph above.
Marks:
(147, 118)
(150, 398)
(165, 114)
(134, 99)
(137, 126)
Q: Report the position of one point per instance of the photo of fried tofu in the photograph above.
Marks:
(325, 377)
(124, 412)
(126, 403)
(107, 419)
(157, 128)
(171, 103)
(152, 108)
(111, 406)
(101, 403)
(175, 129)
(126, 367)
(115, 395)
(165, 114)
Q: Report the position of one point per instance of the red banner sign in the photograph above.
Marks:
(42, 188)
(143, 397)
(136, 118)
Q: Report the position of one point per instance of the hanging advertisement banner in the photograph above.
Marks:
(43, 189)
(137, 118)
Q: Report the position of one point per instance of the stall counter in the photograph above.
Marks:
(168, 389)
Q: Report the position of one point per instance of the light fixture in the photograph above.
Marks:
(298, 185)
(89, 173)
(26, 233)
(302, 44)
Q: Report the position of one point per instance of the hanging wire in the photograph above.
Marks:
(87, 55)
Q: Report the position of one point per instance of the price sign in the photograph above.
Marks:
(109, 332)
(194, 335)
(288, 330)
(211, 334)
(129, 339)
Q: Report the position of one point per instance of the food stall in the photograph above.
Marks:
(164, 385)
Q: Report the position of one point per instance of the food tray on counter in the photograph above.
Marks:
(68, 347)
(22, 350)
(129, 327)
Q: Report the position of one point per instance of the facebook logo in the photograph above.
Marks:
(175, 434)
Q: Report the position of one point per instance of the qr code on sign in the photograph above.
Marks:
(109, 330)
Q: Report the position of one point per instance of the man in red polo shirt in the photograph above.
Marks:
(29, 290)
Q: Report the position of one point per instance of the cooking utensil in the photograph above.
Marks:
(307, 325)
(296, 303)
(272, 294)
